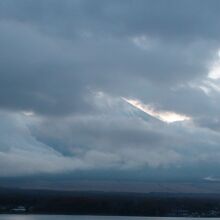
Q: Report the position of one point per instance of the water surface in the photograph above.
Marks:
(74, 217)
(65, 217)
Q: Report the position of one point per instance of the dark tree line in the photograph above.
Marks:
(97, 203)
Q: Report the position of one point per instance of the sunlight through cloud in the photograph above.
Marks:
(165, 116)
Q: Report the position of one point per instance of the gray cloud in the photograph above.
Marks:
(55, 76)
(125, 140)
(70, 62)
(186, 19)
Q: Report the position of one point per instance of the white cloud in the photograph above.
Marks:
(143, 42)
(211, 179)
(215, 71)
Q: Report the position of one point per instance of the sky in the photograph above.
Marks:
(119, 89)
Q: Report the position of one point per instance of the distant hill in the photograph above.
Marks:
(119, 186)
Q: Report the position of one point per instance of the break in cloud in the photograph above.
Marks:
(109, 85)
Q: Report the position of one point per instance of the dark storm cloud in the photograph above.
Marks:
(52, 75)
(65, 66)
(59, 50)
(37, 73)
(163, 19)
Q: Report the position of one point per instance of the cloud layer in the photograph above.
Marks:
(65, 66)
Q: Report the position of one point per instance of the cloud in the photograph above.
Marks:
(65, 66)
(22, 154)
(211, 179)
(54, 150)
(168, 117)
(53, 74)
(119, 137)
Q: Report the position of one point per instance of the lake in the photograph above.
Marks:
(66, 217)
(73, 217)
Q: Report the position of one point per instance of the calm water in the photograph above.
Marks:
(66, 217)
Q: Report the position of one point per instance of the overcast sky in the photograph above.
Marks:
(114, 86)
